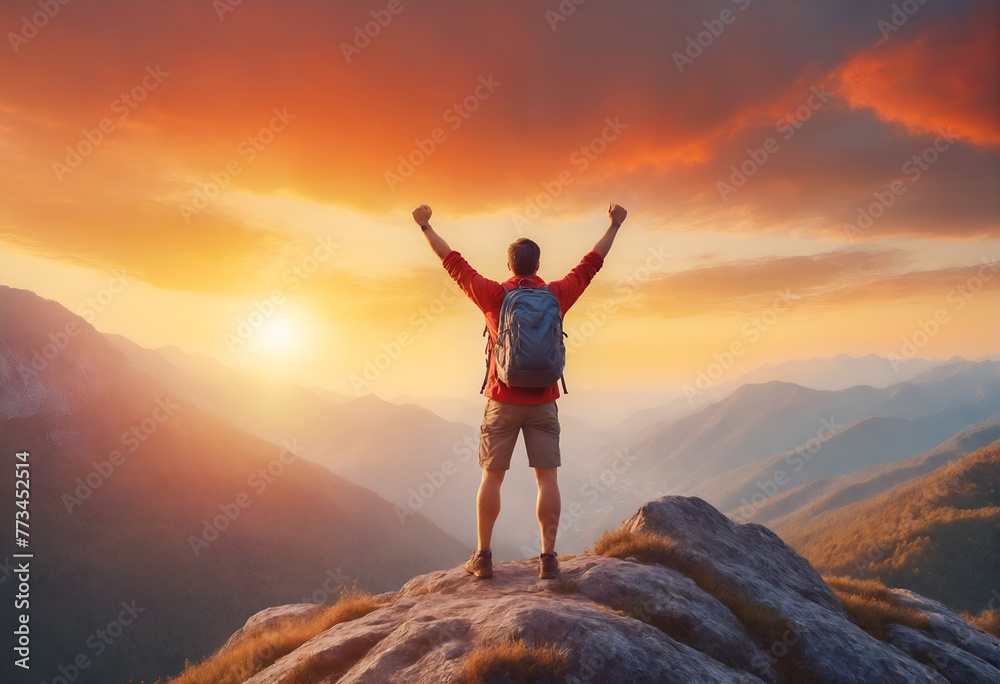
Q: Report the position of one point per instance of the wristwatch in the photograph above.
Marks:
(425, 226)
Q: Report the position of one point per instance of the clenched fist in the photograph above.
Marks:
(422, 215)
(616, 212)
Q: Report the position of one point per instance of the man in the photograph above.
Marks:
(510, 410)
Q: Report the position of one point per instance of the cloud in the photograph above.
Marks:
(944, 79)
(496, 152)
(830, 173)
(841, 278)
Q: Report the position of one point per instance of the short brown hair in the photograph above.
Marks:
(523, 255)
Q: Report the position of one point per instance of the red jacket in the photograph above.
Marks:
(488, 296)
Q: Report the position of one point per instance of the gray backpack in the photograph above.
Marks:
(529, 347)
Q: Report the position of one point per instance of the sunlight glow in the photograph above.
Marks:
(280, 334)
(284, 335)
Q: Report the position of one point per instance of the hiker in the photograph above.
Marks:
(513, 408)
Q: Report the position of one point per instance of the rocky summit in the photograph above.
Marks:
(722, 603)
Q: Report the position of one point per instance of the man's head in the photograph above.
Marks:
(522, 257)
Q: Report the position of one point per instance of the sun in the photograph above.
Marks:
(287, 345)
(280, 334)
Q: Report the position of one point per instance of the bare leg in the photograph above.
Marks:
(488, 505)
(549, 507)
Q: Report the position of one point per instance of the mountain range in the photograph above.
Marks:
(937, 533)
(764, 440)
(140, 497)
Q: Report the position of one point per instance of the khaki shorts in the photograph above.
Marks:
(501, 424)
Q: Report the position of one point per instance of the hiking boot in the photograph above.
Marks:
(548, 566)
(481, 564)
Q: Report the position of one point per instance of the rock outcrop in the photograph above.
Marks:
(736, 605)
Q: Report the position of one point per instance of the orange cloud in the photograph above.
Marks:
(945, 78)
(842, 278)
(353, 120)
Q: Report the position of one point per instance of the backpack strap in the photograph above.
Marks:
(489, 346)
(486, 377)
(562, 378)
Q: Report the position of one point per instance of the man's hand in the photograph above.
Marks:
(422, 215)
(617, 215)
(616, 212)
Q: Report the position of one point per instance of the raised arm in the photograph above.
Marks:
(422, 215)
(617, 215)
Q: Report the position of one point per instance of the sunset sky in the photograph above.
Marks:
(803, 179)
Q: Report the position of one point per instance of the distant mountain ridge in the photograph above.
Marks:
(138, 494)
(842, 371)
(800, 504)
(938, 533)
(619, 411)
(786, 435)
(760, 420)
(405, 453)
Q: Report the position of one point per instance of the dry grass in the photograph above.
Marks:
(567, 587)
(251, 655)
(646, 546)
(514, 661)
(867, 589)
(873, 606)
(988, 621)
